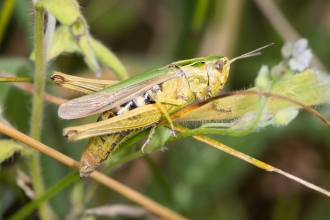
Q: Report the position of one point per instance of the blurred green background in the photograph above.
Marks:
(191, 178)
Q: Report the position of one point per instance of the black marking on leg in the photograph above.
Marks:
(121, 137)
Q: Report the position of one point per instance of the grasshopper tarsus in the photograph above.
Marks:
(174, 135)
(144, 146)
(151, 133)
(84, 175)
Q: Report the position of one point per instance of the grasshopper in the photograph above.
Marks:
(138, 103)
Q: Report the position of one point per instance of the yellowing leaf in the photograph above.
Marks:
(309, 87)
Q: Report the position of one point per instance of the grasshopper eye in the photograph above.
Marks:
(219, 65)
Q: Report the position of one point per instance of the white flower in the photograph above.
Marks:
(297, 54)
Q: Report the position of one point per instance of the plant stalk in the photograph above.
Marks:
(37, 109)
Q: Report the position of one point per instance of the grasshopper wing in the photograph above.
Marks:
(143, 116)
(117, 94)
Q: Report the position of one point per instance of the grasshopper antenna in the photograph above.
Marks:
(249, 54)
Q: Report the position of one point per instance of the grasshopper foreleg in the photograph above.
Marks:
(151, 133)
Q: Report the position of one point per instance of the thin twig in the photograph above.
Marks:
(105, 180)
(16, 79)
(252, 160)
(19, 83)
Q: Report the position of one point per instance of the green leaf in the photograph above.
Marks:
(14, 66)
(109, 59)
(74, 36)
(66, 11)
(263, 78)
(284, 117)
(62, 41)
(9, 147)
(4, 88)
(88, 53)
(162, 134)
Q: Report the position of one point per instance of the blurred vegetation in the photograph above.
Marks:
(190, 178)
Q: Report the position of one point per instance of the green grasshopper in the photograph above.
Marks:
(138, 103)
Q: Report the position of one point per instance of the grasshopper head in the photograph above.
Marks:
(217, 71)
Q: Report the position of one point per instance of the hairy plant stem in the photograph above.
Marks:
(37, 109)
